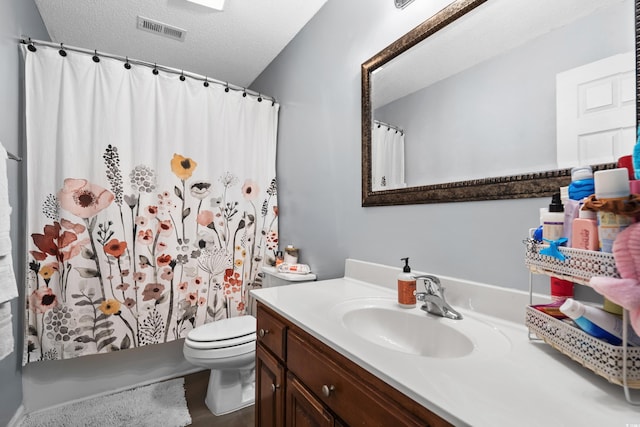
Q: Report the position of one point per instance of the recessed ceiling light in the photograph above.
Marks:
(211, 4)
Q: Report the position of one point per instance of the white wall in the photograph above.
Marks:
(317, 82)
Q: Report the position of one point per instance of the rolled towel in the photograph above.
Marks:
(294, 268)
(8, 286)
(6, 331)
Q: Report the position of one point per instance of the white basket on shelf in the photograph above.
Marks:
(602, 358)
(579, 265)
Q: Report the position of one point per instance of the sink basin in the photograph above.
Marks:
(380, 321)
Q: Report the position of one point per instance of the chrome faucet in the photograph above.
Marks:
(433, 298)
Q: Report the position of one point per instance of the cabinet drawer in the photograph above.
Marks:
(271, 332)
(351, 399)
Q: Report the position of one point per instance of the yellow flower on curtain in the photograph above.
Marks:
(182, 166)
(110, 306)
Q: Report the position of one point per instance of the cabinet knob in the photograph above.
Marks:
(263, 332)
(327, 389)
(274, 387)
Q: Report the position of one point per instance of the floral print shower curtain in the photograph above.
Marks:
(151, 203)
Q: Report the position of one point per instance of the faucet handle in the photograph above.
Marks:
(431, 283)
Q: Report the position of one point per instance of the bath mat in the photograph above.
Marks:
(159, 404)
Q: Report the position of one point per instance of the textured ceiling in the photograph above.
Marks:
(235, 45)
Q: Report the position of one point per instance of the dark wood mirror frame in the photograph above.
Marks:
(538, 184)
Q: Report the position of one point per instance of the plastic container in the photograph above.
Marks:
(598, 322)
(611, 184)
(584, 231)
(553, 220)
(581, 186)
(561, 289)
(582, 183)
(406, 287)
(291, 255)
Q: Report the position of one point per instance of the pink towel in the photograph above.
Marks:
(625, 291)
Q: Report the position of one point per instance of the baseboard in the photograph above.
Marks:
(17, 418)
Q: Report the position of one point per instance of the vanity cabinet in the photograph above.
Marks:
(322, 387)
(270, 370)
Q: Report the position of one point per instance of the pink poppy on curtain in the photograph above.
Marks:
(153, 204)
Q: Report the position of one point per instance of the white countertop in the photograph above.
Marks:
(523, 383)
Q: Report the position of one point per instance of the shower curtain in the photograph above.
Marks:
(387, 154)
(151, 203)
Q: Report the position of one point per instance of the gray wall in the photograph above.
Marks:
(317, 82)
(17, 17)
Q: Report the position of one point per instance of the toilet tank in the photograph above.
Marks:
(273, 278)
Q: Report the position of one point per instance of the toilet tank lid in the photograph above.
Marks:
(224, 329)
(290, 277)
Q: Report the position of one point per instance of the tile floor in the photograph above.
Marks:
(195, 389)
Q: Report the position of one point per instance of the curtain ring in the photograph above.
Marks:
(244, 92)
(96, 58)
(155, 69)
(127, 65)
(273, 102)
(182, 77)
(206, 82)
(226, 89)
(31, 46)
(62, 52)
(259, 97)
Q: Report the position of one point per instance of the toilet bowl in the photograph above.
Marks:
(227, 347)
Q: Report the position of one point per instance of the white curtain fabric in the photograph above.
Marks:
(387, 154)
(152, 203)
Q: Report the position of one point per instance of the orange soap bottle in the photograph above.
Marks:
(406, 287)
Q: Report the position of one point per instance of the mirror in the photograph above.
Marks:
(441, 79)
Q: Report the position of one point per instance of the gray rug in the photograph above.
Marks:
(160, 404)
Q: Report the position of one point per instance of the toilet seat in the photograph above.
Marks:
(225, 333)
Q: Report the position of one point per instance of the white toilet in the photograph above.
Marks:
(228, 348)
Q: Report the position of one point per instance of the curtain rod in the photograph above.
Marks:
(388, 126)
(155, 67)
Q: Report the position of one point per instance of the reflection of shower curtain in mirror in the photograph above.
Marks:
(387, 155)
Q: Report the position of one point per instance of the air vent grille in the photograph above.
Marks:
(160, 28)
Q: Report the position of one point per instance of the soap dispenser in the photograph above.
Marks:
(406, 287)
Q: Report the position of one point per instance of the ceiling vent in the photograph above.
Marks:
(160, 28)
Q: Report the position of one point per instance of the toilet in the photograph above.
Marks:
(228, 348)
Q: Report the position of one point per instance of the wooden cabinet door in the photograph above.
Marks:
(303, 409)
(269, 410)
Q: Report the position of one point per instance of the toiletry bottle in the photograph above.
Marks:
(291, 254)
(553, 220)
(406, 287)
(553, 229)
(598, 322)
(279, 258)
(611, 184)
(585, 231)
(561, 289)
